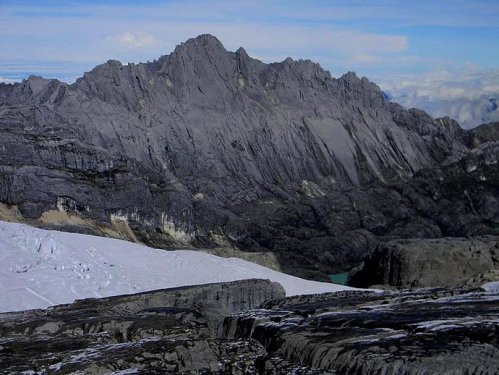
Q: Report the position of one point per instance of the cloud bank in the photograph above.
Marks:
(471, 97)
(7, 80)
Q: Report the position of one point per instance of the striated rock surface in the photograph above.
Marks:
(433, 331)
(419, 263)
(210, 148)
(165, 331)
(248, 327)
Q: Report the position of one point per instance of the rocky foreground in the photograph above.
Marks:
(248, 327)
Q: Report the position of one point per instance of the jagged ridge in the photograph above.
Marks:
(207, 147)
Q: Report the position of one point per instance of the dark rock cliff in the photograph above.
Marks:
(211, 148)
(170, 331)
(421, 263)
(428, 331)
(484, 133)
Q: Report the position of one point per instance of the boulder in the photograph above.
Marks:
(419, 263)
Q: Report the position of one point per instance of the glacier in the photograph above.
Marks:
(41, 268)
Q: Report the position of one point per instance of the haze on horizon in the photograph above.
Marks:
(440, 56)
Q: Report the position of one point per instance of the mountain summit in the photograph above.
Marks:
(210, 148)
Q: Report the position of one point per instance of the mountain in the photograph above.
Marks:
(213, 149)
(485, 133)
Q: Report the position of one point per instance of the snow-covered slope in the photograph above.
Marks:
(39, 268)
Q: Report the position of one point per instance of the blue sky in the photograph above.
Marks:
(380, 39)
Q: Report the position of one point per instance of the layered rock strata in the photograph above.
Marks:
(210, 148)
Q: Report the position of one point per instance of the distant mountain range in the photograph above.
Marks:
(214, 149)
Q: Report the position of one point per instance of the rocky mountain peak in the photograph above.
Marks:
(350, 77)
(200, 74)
(241, 52)
(204, 141)
(200, 45)
(207, 41)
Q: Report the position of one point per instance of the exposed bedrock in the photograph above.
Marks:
(423, 263)
(484, 133)
(248, 327)
(213, 149)
(164, 331)
(432, 331)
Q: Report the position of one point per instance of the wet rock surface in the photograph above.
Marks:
(210, 148)
(432, 331)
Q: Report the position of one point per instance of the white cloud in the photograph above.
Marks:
(469, 95)
(133, 33)
(7, 80)
(415, 13)
(133, 40)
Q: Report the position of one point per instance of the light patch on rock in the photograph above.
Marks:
(491, 287)
(311, 189)
(175, 231)
(62, 217)
(471, 168)
(241, 81)
(10, 213)
(198, 197)
(49, 327)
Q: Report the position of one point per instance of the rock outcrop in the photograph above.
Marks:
(248, 327)
(420, 263)
(210, 148)
(434, 331)
(484, 133)
(165, 331)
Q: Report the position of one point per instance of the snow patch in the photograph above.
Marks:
(40, 268)
(491, 287)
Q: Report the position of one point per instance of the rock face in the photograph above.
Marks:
(484, 133)
(429, 262)
(210, 148)
(248, 327)
(166, 331)
(438, 331)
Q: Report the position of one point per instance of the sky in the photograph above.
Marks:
(397, 44)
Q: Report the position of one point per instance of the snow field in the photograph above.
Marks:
(40, 268)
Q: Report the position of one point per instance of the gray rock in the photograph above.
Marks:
(428, 262)
(433, 331)
(164, 331)
(428, 331)
(213, 149)
(484, 133)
